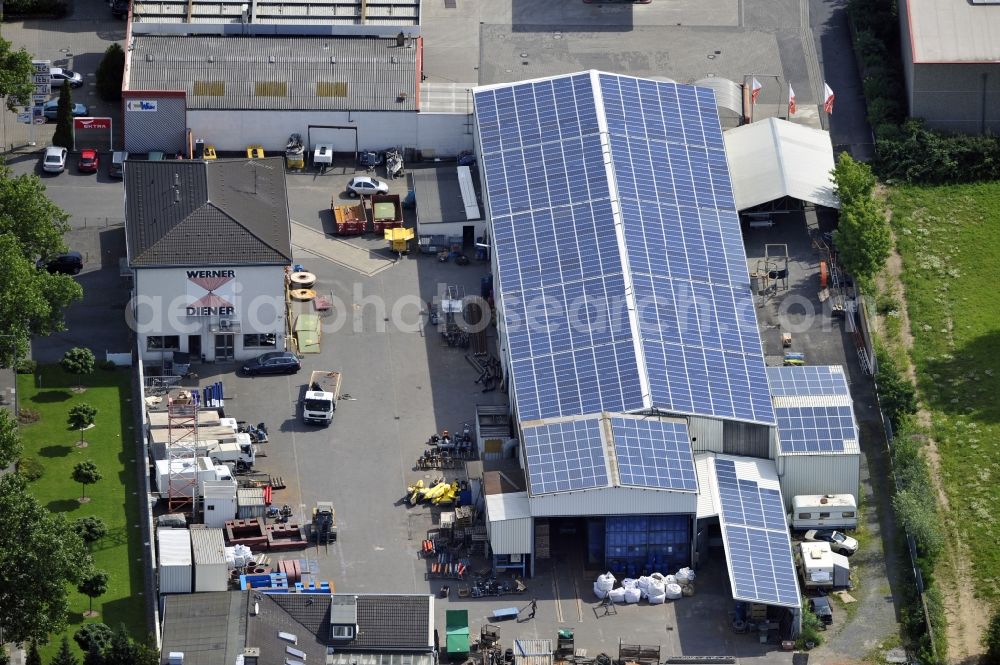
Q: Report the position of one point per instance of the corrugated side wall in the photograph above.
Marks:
(511, 536)
(818, 474)
(614, 501)
(749, 439)
(210, 571)
(175, 560)
(160, 129)
(706, 434)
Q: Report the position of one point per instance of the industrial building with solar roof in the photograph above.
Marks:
(648, 424)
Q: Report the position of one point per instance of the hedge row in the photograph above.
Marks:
(32, 8)
(905, 149)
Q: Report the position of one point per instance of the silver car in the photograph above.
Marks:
(54, 160)
(363, 185)
(58, 76)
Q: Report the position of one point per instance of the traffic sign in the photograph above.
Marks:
(24, 117)
(43, 89)
(41, 66)
(39, 100)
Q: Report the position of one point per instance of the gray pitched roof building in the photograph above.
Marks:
(215, 627)
(195, 213)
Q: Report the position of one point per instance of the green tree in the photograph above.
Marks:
(122, 650)
(991, 640)
(35, 307)
(27, 213)
(919, 518)
(94, 636)
(86, 473)
(64, 656)
(15, 75)
(90, 529)
(4, 658)
(33, 657)
(10, 440)
(110, 73)
(63, 135)
(94, 585)
(78, 361)
(852, 181)
(40, 555)
(862, 237)
(94, 656)
(81, 416)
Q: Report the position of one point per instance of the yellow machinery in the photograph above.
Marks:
(399, 239)
(255, 152)
(441, 493)
(209, 152)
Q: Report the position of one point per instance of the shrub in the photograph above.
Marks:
(110, 72)
(26, 366)
(107, 365)
(991, 640)
(26, 416)
(98, 634)
(811, 627)
(56, 8)
(30, 468)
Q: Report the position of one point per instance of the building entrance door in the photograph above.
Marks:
(224, 346)
(194, 347)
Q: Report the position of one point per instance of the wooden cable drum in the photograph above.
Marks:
(302, 280)
(302, 294)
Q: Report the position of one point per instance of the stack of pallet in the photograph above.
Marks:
(542, 539)
(464, 517)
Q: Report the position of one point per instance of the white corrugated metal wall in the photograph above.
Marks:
(614, 501)
(706, 434)
(818, 474)
(511, 536)
(175, 560)
(210, 570)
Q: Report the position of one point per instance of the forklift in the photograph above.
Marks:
(324, 523)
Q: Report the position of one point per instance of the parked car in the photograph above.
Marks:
(821, 607)
(70, 263)
(54, 159)
(117, 168)
(58, 76)
(119, 8)
(839, 543)
(273, 362)
(366, 185)
(89, 161)
(52, 109)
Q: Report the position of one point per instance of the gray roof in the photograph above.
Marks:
(439, 195)
(176, 212)
(952, 31)
(299, 614)
(279, 12)
(209, 628)
(278, 73)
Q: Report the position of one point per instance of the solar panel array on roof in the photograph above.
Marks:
(815, 429)
(756, 536)
(557, 186)
(654, 453)
(808, 380)
(565, 456)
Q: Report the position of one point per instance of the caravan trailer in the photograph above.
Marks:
(824, 511)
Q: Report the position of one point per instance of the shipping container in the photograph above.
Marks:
(218, 502)
(174, 558)
(209, 554)
(188, 476)
(250, 503)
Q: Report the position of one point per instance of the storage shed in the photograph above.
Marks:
(250, 502)
(210, 570)
(175, 561)
(219, 502)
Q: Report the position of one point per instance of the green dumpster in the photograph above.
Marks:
(456, 643)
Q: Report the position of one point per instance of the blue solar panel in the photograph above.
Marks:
(565, 456)
(763, 568)
(808, 380)
(745, 503)
(815, 429)
(654, 453)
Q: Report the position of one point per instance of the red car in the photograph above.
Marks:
(88, 161)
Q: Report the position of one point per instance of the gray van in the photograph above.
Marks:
(117, 169)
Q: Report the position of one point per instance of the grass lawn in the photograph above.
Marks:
(113, 499)
(949, 238)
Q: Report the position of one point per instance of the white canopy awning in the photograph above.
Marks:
(774, 158)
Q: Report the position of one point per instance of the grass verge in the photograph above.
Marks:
(51, 442)
(949, 240)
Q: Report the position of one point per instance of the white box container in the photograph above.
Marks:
(210, 570)
(218, 502)
(175, 561)
(189, 475)
(250, 502)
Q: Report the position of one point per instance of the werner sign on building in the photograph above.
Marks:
(211, 293)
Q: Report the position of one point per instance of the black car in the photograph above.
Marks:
(273, 362)
(119, 8)
(821, 607)
(70, 263)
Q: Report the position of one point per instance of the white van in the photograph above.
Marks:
(824, 511)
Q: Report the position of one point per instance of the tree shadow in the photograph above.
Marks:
(55, 451)
(63, 505)
(51, 396)
(966, 381)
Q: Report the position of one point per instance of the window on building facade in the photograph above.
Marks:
(266, 341)
(163, 343)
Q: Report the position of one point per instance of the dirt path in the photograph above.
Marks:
(966, 618)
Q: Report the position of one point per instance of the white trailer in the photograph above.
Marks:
(816, 565)
(824, 511)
